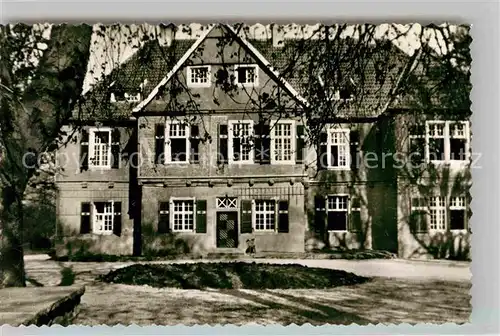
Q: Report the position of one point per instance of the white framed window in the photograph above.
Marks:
(176, 142)
(437, 213)
(103, 217)
(182, 214)
(337, 210)
(447, 141)
(246, 74)
(283, 142)
(241, 149)
(264, 215)
(199, 76)
(338, 148)
(458, 213)
(133, 98)
(100, 148)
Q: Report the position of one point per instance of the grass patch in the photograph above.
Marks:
(229, 275)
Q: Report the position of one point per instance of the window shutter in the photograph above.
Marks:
(117, 219)
(322, 151)
(115, 148)
(246, 216)
(319, 214)
(258, 143)
(222, 155)
(163, 217)
(85, 223)
(201, 216)
(300, 144)
(262, 144)
(84, 150)
(354, 149)
(159, 143)
(265, 157)
(355, 224)
(283, 218)
(195, 144)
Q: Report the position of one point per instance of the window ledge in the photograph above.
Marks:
(97, 233)
(339, 168)
(185, 231)
(338, 231)
(264, 232)
(97, 168)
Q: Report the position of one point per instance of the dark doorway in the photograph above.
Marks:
(227, 229)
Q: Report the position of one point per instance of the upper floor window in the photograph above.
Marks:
(100, 147)
(447, 141)
(240, 142)
(337, 148)
(198, 76)
(122, 96)
(283, 142)
(177, 142)
(246, 75)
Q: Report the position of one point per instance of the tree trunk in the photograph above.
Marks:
(11, 258)
(11, 248)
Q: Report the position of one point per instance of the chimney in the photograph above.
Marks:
(278, 36)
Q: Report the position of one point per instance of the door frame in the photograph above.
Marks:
(237, 228)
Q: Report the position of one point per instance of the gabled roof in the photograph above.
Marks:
(266, 66)
(157, 64)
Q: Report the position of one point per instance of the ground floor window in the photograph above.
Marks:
(183, 215)
(265, 215)
(337, 212)
(102, 217)
(438, 214)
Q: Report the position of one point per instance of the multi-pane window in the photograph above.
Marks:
(458, 213)
(337, 212)
(283, 142)
(246, 75)
(177, 144)
(198, 76)
(419, 214)
(447, 141)
(103, 217)
(265, 215)
(436, 140)
(437, 213)
(182, 215)
(338, 148)
(100, 148)
(240, 142)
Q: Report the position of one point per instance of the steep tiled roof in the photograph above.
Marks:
(149, 63)
(382, 66)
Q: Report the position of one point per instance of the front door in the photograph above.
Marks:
(227, 229)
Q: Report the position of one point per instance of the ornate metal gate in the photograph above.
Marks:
(227, 229)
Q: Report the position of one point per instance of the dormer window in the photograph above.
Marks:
(198, 76)
(133, 97)
(246, 75)
(121, 96)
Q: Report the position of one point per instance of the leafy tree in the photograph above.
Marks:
(42, 72)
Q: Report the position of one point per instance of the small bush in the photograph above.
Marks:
(67, 277)
(227, 275)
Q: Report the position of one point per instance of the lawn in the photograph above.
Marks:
(377, 301)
